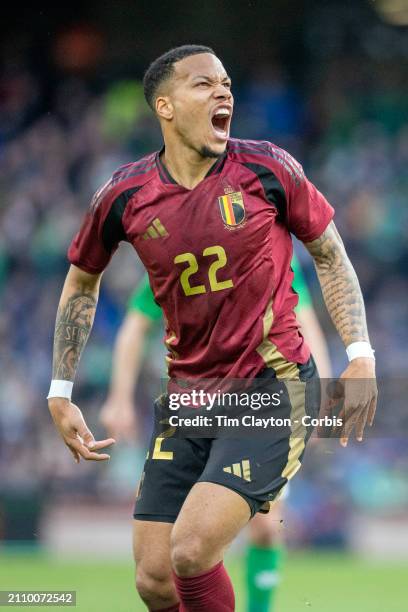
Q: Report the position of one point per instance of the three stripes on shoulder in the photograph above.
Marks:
(155, 230)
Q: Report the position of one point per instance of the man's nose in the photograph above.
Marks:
(221, 91)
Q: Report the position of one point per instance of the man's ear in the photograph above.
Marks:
(164, 108)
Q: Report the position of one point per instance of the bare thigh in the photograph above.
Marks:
(151, 550)
(211, 517)
(152, 540)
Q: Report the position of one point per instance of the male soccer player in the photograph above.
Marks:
(263, 559)
(210, 218)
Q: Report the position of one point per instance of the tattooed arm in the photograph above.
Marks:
(344, 301)
(75, 317)
(340, 286)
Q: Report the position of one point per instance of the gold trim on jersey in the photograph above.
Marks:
(297, 396)
(269, 352)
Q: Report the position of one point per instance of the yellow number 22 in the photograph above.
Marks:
(192, 268)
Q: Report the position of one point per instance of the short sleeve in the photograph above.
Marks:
(101, 231)
(142, 300)
(308, 211)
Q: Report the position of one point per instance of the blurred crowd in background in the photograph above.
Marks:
(63, 131)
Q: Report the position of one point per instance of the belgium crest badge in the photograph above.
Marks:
(232, 208)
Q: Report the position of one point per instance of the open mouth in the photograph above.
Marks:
(220, 121)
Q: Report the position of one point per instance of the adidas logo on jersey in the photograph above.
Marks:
(242, 469)
(155, 230)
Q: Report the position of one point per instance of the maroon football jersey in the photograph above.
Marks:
(218, 256)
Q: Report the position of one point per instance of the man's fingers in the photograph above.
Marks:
(355, 417)
(86, 454)
(87, 437)
(371, 411)
(89, 456)
(327, 407)
(337, 429)
(361, 423)
(350, 420)
(97, 445)
(89, 441)
(74, 452)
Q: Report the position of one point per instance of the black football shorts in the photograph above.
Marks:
(257, 468)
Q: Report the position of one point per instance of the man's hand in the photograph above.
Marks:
(119, 418)
(360, 398)
(71, 425)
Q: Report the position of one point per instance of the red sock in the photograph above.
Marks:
(211, 590)
(174, 608)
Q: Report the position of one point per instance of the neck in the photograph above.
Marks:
(185, 165)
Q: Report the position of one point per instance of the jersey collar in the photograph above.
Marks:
(166, 177)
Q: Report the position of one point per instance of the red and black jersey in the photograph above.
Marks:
(218, 256)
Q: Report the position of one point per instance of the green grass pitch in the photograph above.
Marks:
(312, 582)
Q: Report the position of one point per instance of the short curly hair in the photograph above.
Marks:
(163, 68)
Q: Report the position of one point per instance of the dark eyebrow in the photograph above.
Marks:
(208, 78)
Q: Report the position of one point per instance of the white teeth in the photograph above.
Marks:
(222, 112)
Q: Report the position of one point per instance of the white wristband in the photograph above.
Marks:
(60, 388)
(359, 349)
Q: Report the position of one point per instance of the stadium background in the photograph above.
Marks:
(325, 80)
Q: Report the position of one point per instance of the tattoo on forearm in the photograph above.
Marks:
(340, 286)
(72, 328)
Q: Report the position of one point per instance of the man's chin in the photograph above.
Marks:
(207, 151)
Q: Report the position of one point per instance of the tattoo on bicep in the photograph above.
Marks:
(340, 286)
(72, 328)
